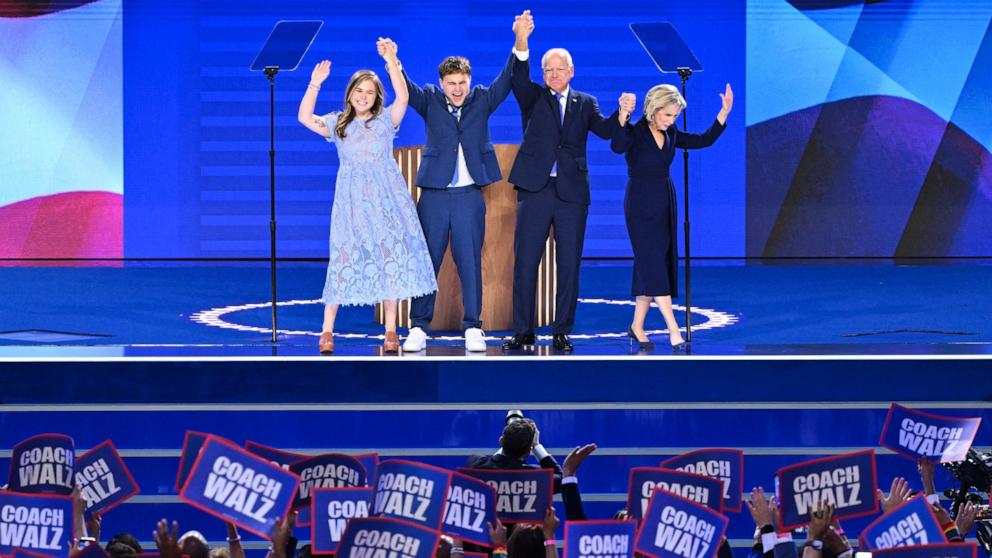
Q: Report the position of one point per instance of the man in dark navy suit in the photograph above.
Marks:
(458, 161)
(551, 177)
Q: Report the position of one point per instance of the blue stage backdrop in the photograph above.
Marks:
(860, 129)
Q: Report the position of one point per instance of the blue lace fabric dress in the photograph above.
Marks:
(378, 251)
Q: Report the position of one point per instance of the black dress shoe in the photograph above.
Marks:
(561, 343)
(518, 342)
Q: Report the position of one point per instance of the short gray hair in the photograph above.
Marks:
(556, 52)
(661, 96)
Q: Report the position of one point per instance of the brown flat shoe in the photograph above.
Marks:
(326, 343)
(392, 342)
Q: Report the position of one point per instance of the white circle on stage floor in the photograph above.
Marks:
(215, 317)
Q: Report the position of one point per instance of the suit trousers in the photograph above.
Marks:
(458, 214)
(536, 213)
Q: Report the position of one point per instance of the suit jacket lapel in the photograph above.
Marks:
(571, 108)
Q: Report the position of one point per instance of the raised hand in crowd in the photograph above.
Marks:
(898, 493)
(946, 523)
(965, 519)
(574, 459)
(282, 532)
(762, 508)
(234, 541)
(497, 534)
(926, 467)
(79, 504)
(835, 540)
(548, 528)
(820, 520)
(167, 539)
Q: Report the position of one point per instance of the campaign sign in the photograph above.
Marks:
(192, 444)
(281, 458)
(946, 550)
(847, 481)
(910, 524)
(410, 491)
(43, 464)
(917, 434)
(471, 507)
(522, 495)
(329, 470)
(21, 553)
(726, 465)
(331, 508)
(371, 463)
(40, 523)
(103, 479)
(382, 537)
(92, 550)
(698, 488)
(675, 527)
(600, 539)
(238, 486)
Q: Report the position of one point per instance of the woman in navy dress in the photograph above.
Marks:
(649, 204)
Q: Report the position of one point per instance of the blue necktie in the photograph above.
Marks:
(561, 117)
(457, 113)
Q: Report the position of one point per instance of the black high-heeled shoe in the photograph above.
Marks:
(679, 347)
(641, 345)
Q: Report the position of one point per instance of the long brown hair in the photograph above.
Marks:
(348, 114)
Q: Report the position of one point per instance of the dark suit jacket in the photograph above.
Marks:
(547, 140)
(444, 132)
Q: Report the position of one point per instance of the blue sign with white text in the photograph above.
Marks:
(40, 523)
(600, 539)
(643, 480)
(522, 495)
(674, 527)
(237, 486)
(43, 464)
(471, 507)
(410, 491)
(103, 478)
(382, 536)
(847, 482)
(330, 470)
(726, 465)
(917, 434)
(331, 510)
(913, 523)
(940, 550)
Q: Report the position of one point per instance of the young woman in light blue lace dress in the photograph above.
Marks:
(378, 252)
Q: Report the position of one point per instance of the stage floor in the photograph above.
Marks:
(203, 310)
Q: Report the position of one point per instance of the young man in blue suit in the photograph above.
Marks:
(458, 161)
(551, 177)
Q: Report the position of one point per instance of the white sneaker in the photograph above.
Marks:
(475, 340)
(416, 341)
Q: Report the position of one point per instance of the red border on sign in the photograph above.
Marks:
(182, 455)
(488, 543)
(127, 472)
(401, 521)
(68, 539)
(10, 476)
(974, 548)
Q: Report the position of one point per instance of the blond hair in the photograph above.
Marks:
(661, 96)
